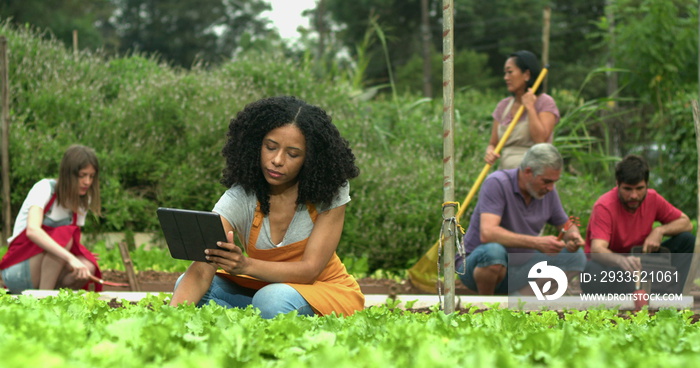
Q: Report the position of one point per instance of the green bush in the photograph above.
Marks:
(158, 132)
(80, 330)
(143, 258)
(674, 161)
(471, 71)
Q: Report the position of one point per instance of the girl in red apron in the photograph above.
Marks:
(287, 172)
(45, 250)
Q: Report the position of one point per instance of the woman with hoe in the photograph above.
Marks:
(519, 122)
(537, 122)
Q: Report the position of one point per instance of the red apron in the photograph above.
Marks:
(22, 248)
(333, 291)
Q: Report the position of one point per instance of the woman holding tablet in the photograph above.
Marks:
(287, 172)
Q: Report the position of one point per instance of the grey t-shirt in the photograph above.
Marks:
(39, 196)
(238, 208)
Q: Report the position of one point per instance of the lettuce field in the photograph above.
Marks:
(79, 330)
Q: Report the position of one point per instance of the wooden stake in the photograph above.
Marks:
(425, 48)
(449, 229)
(546, 20)
(129, 267)
(75, 43)
(5, 122)
(695, 263)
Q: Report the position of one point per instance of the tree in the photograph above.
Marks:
(61, 17)
(399, 20)
(499, 28)
(496, 28)
(179, 31)
(186, 31)
(470, 66)
(656, 42)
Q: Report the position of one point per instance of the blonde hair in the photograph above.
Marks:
(76, 158)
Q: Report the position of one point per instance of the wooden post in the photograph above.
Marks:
(547, 15)
(319, 23)
(615, 130)
(695, 263)
(425, 46)
(129, 267)
(449, 230)
(75, 43)
(5, 122)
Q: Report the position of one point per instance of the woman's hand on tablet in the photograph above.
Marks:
(228, 256)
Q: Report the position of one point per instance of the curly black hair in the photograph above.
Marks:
(329, 162)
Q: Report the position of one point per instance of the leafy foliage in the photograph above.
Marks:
(158, 132)
(470, 69)
(182, 33)
(61, 18)
(185, 32)
(656, 43)
(151, 334)
(493, 29)
(144, 258)
(675, 158)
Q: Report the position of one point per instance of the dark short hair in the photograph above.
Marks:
(526, 60)
(631, 170)
(328, 164)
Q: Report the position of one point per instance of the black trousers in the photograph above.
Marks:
(681, 247)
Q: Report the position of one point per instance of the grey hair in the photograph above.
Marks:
(542, 156)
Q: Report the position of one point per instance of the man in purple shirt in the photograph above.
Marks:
(513, 207)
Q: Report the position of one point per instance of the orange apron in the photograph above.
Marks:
(333, 291)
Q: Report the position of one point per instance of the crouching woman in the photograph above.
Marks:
(287, 172)
(45, 251)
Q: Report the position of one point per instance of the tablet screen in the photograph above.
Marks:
(188, 233)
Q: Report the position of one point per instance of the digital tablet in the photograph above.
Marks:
(188, 233)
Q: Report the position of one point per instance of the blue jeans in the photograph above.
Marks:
(681, 247)
(271, 300)
(493, 253)
(18, 277)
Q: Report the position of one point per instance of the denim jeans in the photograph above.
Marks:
(18, 278)
(681, 246)
(271, 300)
(493, 253)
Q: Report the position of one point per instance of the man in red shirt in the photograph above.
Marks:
(623, 218)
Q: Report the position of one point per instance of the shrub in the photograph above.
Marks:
(158, 132)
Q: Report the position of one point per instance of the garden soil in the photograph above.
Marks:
(165, 281)
(156, 281)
